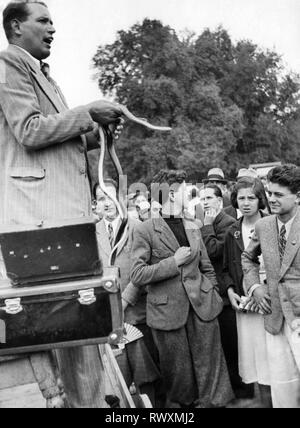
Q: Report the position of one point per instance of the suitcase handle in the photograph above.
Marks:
(87, 297)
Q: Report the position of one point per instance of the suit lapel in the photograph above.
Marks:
(103, 240)
(124, 243)
(167, 237)
(41, 80)
(48, 89)
(271, 234)
(193, 235)
(238, 235)
(292, 246)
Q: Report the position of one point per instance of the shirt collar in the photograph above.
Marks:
(36, 61)
(114, 223)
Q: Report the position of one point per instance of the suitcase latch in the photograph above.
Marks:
(87, 297)
(13, 306)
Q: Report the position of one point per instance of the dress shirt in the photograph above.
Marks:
(287, 225)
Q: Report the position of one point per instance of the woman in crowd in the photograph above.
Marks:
(249, 197)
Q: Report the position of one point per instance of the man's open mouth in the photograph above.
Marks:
(48, 40)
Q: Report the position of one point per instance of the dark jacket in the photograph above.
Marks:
(230, 210)
(214, 239)
(233, 249)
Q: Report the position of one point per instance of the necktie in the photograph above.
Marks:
(282, 242)
(45, 70)
(111, 236)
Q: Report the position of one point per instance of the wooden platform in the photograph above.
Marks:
(22, 397)
(19, 390)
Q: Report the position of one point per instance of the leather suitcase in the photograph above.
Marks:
(50, 252)
(67, 314)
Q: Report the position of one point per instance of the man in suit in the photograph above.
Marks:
(278, 239)
(44, 173)
(216, 176)
(139, 361)
(183, 302)
(216, 225)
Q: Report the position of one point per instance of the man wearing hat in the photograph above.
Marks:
(216, 176)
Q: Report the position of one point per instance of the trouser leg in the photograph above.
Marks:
(213, 383)
(176, 367)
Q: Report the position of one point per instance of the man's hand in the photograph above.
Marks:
(105, 112)
(182, 256)
(210, 217)
(263, 300)
(117, 128)
(235, 300)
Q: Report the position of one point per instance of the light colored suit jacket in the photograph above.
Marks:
(43, 174)
(283, 281)
(136, 311)
(172, 291)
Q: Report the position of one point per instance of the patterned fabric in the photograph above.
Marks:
(43, 174)
(282, 242)
(285, 297)
(190, 373)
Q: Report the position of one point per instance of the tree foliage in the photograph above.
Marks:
(229, 104)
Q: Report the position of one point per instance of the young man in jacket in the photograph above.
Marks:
(169, 257)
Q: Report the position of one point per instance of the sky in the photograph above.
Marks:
(81, 26)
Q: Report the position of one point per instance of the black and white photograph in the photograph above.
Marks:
(150, 207)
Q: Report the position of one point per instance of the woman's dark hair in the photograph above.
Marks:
(257, 187)
(286, 176)
(16, 10)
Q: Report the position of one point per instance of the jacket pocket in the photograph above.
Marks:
(206, 285)
(27, 173)
(158, 300)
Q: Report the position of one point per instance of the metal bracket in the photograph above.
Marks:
(115, 338)
(111, 285)
(87, 297)
(13, 306)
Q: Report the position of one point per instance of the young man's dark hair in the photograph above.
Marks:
(164, 181)
(250, 183)
(16, 10)
(286, 176)
(170, 177)
(217, 191)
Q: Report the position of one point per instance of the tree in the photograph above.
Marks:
(228, 104)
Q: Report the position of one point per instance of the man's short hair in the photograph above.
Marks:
(107, 182)
(16, 10)
(257, 188)
(164, 181)
(286, 176)
(216, 189)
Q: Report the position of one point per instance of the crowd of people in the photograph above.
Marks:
(180, 257)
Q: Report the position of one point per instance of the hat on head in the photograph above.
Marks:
(244, 172)
(215, 174)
